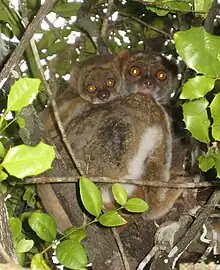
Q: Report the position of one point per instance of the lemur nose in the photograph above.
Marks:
(147, 82)
(103, 94)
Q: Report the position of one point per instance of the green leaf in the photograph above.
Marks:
(3, 188)
(22, 93)
(2, 150)
(75, 234)
(23, 160)
(66, 66)
(13, 181)
(202, 5)
(206, 163)
(29, 195)
(39, 263)
(89, 48)
(136, 205)
(215, 113)
(6, 31)
(111, 219)
(217, 164)
(3, 175)
(158, 24)
(33, 4)
(197, 87)
(57, 47)
(25, 216)
(163, 7)
(30, 188)
(21, 258)
(15, 225)
(44, 226)
(216, 128)
(119, 193)
(199, 50)
(65, 9)
(21, 122)
(215, 154)
(91, 196)
(71, 254)
(48, 39)
(18, 239)
(24, 245)
(10, 16)
(196, 119)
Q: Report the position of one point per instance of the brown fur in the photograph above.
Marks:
(106, 137)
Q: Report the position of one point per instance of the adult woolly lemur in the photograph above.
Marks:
(127, 140)
(148, 73)
(153, 74)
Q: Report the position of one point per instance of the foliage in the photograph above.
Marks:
(91, 197)
(69, 249)
(163, 7)
(204, 44)
(197, 109)
(21, 161)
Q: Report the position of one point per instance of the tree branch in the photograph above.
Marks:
(209, 21)
(185, 184)
(104, 29)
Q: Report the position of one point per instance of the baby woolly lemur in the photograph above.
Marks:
(130, 139)
(93, 82)
(98, 79)
(148, 73)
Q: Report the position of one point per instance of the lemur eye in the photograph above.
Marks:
(135, 71)
(110, 82)
(91, 88)
(161, 75)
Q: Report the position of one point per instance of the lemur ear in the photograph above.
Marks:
(123, 55)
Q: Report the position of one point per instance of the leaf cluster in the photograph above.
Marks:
(68, 248)
(202, 115)
(21, 161)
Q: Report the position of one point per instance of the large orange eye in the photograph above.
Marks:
(110, 82)
(161, 75)
(135, 71)
(91, 88)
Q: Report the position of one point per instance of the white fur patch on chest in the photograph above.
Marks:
(149, 141)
